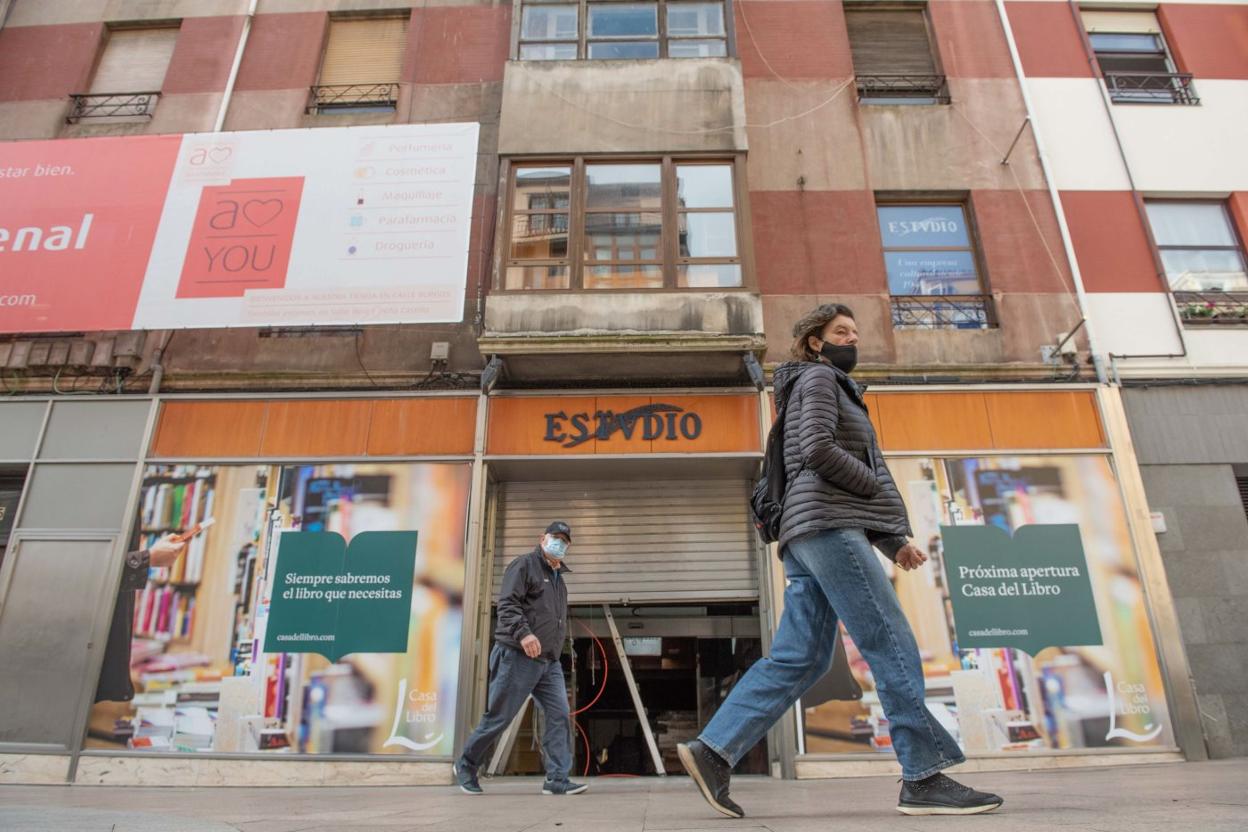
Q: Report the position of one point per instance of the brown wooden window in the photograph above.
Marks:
(933, 267)
(893, 57)
(565, 30)
(636, 224)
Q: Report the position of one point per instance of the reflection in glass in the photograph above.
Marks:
(623, 236)
(695, 19)
(537, 277)
(704, 186)
(630, 187)
(548, 51)
(623, 50)
(623, 20)
(708, 235)
(549, 22)
(697, 49)
(931, 273)
(923, 226)
(538, 188)
(623, 277)
(1210, 270)
(708, 275)
(539, 236)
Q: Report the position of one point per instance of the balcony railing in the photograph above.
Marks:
(903, 89)
(1151, 88)
(111, 105)
(943, 312)
(338, 97)
(1213, 308)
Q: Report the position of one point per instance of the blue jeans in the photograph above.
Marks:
(835, 575)
(513, 676)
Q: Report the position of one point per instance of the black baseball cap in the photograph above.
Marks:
(560, 527)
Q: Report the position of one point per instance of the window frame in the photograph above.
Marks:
(363, 106)
(583, 40)
(966, 203)
(935, 94)
(1158, 248)
(1180, 90)
(670, 260)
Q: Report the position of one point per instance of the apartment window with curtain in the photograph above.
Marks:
(1203, 258)
(1134, 60)
(618, 30)
(933, 266)
(361, 65)
(128, 76)
(894, 62)
(637, 225)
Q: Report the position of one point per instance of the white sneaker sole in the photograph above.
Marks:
(686, 760)
(947, 810)
(577, 790)
(464, 789)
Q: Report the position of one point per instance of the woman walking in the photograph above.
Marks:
(840, 502)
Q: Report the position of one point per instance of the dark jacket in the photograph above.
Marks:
(533, 601)
(834, 471)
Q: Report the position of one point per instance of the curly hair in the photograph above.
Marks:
(812, 323)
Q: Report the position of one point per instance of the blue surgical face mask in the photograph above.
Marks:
(554, 547)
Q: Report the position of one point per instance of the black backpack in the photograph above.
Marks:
(767, 499)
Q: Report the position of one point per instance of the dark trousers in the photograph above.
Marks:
(513, 676)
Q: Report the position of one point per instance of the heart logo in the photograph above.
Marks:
(220, 154)
(261, 212)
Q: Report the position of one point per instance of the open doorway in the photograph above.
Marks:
(684, 660)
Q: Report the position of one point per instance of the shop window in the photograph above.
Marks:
(589, 29)
(662, 224)
(933, 267)
(1203, 258)
(1134, 60)
(361, 66)
(128, 76)
(193, 662)
(893, 57)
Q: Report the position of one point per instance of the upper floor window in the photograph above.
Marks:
(662, 224)
(361, 66)
(616, 30)
(1198, 245)
(1132, 54)
(894, 61)
(128, 76)
(933, 267)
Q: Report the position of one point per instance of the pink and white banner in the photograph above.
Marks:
(352, 225)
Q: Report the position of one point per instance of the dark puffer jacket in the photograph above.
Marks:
(834, 471)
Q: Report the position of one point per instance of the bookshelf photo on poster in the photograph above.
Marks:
(201, 679)
(1104, 690)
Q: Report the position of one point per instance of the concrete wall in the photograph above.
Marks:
(1192, 442)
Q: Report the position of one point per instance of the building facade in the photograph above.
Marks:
(643, 197)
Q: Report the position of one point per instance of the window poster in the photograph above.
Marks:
(1030, 615)
(195, 671)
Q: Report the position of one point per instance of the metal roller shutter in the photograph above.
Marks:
(638, 540)
(367, 51)
(134, 60)
(890, 42)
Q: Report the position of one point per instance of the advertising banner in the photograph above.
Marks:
(350, 225)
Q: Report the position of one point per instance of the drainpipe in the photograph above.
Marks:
(1108, 104)
(238, 60)
(6, 6)
(1068, 246)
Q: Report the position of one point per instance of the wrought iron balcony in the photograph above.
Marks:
(336, 97)
(111, 105)
(943, 312)
(903, 89)
(1151, 88)
(1213, 308)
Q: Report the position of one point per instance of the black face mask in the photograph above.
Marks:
(842, 357)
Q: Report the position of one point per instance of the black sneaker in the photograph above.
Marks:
(711, 773)
(566, 787)
(466, 779)
(940, 795)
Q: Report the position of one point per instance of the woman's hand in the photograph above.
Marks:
(910, 557)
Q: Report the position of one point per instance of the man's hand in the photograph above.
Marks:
(166, 551)
(910, 557)
(532, 647)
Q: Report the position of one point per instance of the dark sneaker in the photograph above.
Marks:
(711, 773)
(940, 795)
(566, 787)
(466, 779)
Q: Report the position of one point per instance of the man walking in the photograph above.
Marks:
(532, 626)
(840, 502)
